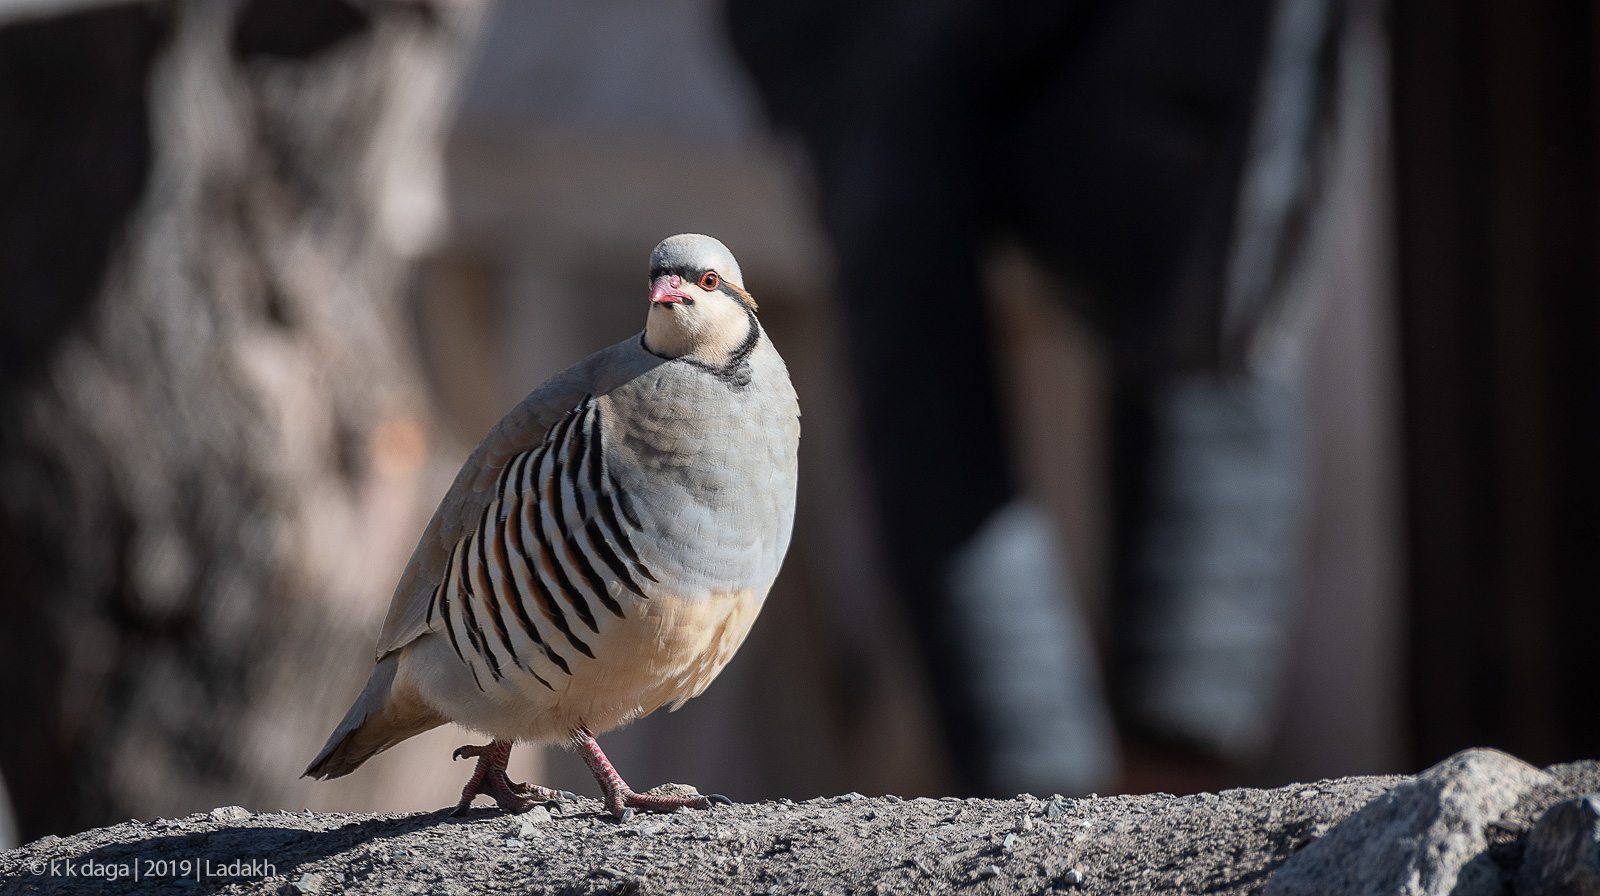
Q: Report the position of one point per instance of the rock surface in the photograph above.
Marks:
(1418, 839)
(1561, 856)
(1457, 829)
(1361, 835)
(1213, 843)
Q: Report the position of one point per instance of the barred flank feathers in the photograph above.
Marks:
(540, 554)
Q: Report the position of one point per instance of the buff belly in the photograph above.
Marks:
(664, 651)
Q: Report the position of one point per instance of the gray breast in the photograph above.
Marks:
(708, 464)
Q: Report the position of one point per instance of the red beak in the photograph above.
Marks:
(665, 291)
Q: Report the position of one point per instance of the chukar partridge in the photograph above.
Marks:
(604, 550)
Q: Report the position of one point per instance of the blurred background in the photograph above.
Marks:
(1196, 394)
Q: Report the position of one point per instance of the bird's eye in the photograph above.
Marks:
(710, 281)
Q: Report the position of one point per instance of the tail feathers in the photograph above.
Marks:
(381, 717)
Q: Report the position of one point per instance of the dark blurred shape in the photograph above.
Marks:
(1108, 138)
(295, 29)
(226, 419)
(74, 151)
(74, 159)
(1497, 125)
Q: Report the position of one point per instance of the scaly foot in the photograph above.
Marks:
(619, 798)
(489, 779)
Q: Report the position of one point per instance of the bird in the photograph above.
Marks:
(604, 550)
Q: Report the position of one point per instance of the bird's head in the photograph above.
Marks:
(698, 307)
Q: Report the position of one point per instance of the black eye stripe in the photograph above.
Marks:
(690, 275)
(686, 273)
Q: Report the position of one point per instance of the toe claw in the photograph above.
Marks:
(625, 814)
(718, 798)
(567, 795)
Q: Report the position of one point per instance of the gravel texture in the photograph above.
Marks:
(1206, 843)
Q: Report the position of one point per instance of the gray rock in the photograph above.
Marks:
(1423, 838)
(527, 824)
(1561, 856)
(230, 813)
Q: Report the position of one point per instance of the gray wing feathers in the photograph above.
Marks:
(520, 430)
(376, 722)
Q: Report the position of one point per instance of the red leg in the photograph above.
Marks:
(489, 779)
(620, 800)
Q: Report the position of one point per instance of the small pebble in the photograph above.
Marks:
(1073, 878)
(1010, 841)
(672, 789)
(1054, 808)
(230, 813)
(988, 871)
(308, 883)
(528, 823)
(513, 843)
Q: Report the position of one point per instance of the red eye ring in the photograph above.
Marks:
(710, 281)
